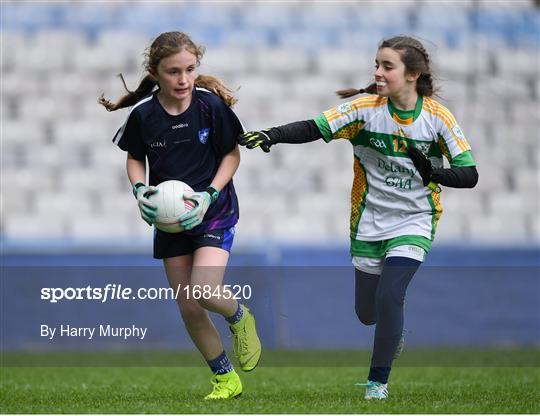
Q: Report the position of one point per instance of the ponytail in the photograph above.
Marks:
(216, 86)
(425, 87)
(145, 87)
(349, 92)
(148, 84)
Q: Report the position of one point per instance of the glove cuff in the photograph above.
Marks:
(136, 186)
(213, 192)
(272, 134)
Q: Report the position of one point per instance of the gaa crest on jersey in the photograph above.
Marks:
(457, 132)
(203, 135)
(344, 108)
(423, 147)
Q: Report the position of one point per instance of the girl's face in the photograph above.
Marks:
(176, 76)
(390, 75)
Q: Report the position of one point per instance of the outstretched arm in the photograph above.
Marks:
(296, 132)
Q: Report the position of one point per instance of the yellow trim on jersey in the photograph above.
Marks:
(358, 192)
(348, 132)
(400, 120)
(435, 108)
(438, 207)
(438, 110)
(333, 114)
(359, 103)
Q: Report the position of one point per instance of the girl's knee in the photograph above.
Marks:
(191, 311)
(365, 316)
(208, 304)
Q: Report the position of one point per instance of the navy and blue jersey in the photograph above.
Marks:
(188, 147)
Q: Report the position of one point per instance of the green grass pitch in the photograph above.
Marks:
(270, 389)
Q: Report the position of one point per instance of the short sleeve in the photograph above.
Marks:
(227, 129)
(452, 141)
(342, 122)
(129, 137)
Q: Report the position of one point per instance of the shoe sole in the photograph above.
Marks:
(248, 369)
(375, 398)
(225, 398)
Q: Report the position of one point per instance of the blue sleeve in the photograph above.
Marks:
(129, 137)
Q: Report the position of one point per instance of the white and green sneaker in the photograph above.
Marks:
(247, 345)
(375, 390)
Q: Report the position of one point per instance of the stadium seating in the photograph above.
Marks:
(62, 178)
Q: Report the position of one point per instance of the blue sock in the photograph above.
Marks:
(220, 364)
(236, 317)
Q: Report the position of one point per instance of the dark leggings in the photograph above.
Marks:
(379, 300)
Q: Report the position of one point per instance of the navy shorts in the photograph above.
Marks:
(179, 244)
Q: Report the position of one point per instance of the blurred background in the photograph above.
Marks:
(66, 200)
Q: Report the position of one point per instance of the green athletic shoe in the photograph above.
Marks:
(226, 386)
(375, 390)
(247, 345)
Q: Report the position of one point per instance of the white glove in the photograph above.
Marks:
(147, 208)
(192, 218)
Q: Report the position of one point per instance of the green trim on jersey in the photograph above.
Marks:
(324, 127)
(392, 144)
(378, 249)
(406, 114)
(463, 159)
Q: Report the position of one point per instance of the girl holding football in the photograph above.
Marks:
(183, 125)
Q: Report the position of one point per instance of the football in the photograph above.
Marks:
(171, 205)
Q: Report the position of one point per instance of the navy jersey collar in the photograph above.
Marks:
(188, 110)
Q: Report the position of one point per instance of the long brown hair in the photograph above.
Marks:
(165, 45)
(415, 58)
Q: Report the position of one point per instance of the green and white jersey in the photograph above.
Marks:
(388, 198)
